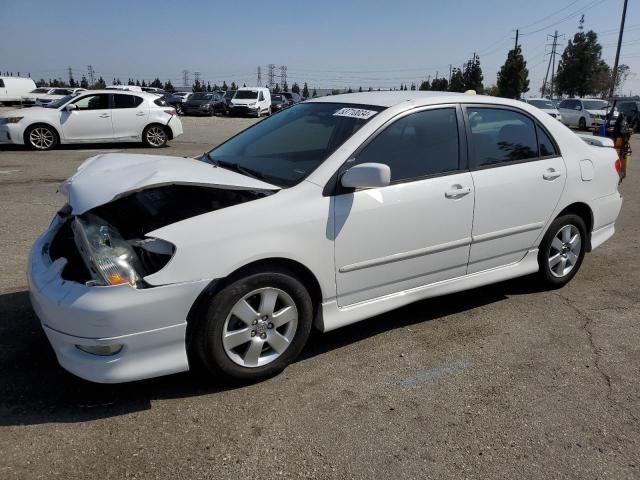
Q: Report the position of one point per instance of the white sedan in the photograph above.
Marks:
(547, 106)
(91, 117)
(332, 211)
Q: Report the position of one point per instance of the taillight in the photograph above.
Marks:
(170, 112)
(618, 166)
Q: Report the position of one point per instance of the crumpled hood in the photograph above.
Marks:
(104, 178)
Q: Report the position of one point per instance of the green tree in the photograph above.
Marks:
(156, 83)
(472, 75)
(100, 83)
(370, 89)
(305, 90)
(234, 86)
(285, 87)
(225, 87)
(277, 89)
(360, 89)
(457, 81)
(440, 84)
(513, 77)
(144, 84)
(581, 69)
(413, 86)
(168, 86)
(295, 88)
(315, 93)
(424, 85)
(208, 87)
(41, 83)
(83, 82)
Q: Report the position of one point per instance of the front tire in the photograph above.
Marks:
(155, 136)
(562, 250)
(582, 124)
(41, 137)
(256, 326)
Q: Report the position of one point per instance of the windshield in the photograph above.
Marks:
(246, 94)
(201, 96)
(229, 94)
(595, 104)
(40, 90)
(285, 148)
(542, 103)
(277, 98)
(61, 101)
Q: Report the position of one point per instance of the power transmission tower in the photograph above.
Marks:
(196, 77)
(271, 73)
(91, 73)
(552, 64)
(70, 76)
(614, 75)
(259, 82)
(283, 75)
(186, 78)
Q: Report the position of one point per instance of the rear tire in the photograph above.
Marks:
(41, 137)
(155, 136)
(562, 250)
(255, 327)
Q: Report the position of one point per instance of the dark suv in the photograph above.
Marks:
(631, 111)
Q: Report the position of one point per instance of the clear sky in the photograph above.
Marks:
(328, 43)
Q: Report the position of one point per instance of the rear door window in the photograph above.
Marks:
(500, 136)
(126, 101)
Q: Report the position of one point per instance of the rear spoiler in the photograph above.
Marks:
(596, 141)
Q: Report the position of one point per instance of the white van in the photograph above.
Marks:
(12, 89)
(251, 101)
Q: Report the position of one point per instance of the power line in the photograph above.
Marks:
(568, 17)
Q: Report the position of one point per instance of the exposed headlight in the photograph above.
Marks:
(107, 255)
(6, 120)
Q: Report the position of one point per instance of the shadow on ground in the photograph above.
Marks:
(35, 389)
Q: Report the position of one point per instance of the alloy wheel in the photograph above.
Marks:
(41, 138)
(564, 251)
(156, 136)
(260, 327)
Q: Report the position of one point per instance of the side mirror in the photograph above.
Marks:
(367, 175)
(71, 107)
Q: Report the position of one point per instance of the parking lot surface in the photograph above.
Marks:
(505, 381)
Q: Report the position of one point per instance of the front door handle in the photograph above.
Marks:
(551, 174)
(104, 115)
(140, 114)
(457, 191)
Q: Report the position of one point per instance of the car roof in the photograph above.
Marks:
(115, 91)
(391, 98)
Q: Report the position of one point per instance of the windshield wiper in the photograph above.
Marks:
(249, 172)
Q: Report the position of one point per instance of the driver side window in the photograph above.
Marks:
(93, 102)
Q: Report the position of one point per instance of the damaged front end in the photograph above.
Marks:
(108, 245)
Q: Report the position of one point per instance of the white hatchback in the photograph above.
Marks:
(332, 211)
(94, 116)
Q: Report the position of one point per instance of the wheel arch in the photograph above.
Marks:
(297, 269)
(35, 124)
(584, 211)
(166, 128)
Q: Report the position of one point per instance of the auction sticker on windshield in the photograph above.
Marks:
(355, 113)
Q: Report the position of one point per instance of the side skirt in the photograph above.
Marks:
(335, 317)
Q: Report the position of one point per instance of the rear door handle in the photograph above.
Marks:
(140, 114)
(104, 115)
(457, 191)
(551, 174)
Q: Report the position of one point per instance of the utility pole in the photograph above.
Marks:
(91, 73)
(551, 61)
(259, 82)
(271, 73)
(450, 66)
(516, 47)
(70, 76)
(614, 75)
(186, 78)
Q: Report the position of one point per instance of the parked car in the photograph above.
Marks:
(172, 100)
(251, 101)
(278, 102)
(204, 103)
(126, 88)
(291, 97)
(335, 210)
(631, 111)
(12, 89)
(93, 116)
(227, 97)
(183, 95)
(546, 105)
(157, 91)
(583, 113)
(43, 96)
